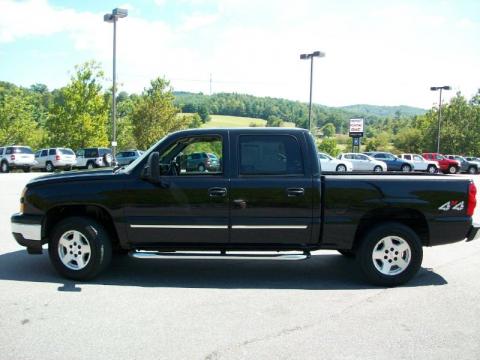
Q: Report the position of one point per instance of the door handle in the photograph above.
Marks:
(294, 192)
(217, 192)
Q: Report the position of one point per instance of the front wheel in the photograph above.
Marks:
(5, 168)
(201, 168)
(79, 248)
(341, 168)
(452, 170)
(406, 168)
(472, 170)
(390, 254)
(90, 165)
(432, 169)
(377, 169)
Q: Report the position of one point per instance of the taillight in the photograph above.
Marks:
(12, 157)
(472, 199)
(57, 157)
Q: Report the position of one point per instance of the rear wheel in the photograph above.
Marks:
(377, 168)
(49, 167)
(452, 169)
(90, 165)
(390, 254)
(472, 170)
(79, 248)
(432, 169)
(341, 168)
(201, 168)
(406, 168)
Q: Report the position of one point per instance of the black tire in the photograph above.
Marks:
(432, 169)
(452, 170)
(341, 168)
(472, 170)
(5, 168)
(368, 245)
(201, 168)
(406, 168)
(377, 168)
(347, 253)
(90, 165)
(26, 169)
(49, 167)
(99, 242)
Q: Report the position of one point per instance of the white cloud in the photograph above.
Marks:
(386, 55)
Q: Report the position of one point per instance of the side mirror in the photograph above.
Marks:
(151, 171)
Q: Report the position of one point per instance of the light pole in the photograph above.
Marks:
(112, 18)
(306, 57)
(435, 88)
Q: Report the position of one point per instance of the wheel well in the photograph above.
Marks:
(408, 217)
(55, 215)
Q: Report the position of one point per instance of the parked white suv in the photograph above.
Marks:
(55, 158)
(16, 157)
(420, 163)
(94, 157)
(328, 163)
(362, 162)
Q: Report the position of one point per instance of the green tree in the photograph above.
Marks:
(328, 130)
(17, 123)
(329, 146)
(274, 121)
(79, 117)
(195, 121)
(155, 115)
(409, 140)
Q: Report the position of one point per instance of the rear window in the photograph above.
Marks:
(66, 152)
(22, 150)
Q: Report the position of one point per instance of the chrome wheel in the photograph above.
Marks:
(432, 169)
(452, 169)
(406, 168)
(341, 168)
(74, 250)
(377, 169)
(391, 255)
(49, 167)
(90, 166)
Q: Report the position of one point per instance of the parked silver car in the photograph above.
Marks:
(16, 157)
(362, 162)
(128, 156)
(55, 158)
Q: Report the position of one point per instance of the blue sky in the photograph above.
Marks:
(378, 52)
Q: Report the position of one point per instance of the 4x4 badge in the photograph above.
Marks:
(452, 205)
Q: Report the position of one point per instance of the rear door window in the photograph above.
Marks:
(44, 153)
(270, 155)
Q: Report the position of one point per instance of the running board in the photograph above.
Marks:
(217, 256)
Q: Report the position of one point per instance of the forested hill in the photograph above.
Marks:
(286, 110)
(385, 111)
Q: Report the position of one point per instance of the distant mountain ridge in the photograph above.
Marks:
(384, 111)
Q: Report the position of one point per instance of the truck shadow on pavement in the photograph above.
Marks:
(321, 272)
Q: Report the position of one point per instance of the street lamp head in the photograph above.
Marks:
(318, 54)
(433, 88)
(120, 13)
(108, 18)
(303, 56)
(447, 87)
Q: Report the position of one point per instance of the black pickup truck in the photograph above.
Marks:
(267, 195)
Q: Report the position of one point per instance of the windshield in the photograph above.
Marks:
(133, 164)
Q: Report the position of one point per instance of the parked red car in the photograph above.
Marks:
(447, 166)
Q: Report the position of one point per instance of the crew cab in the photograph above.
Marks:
(267, 195)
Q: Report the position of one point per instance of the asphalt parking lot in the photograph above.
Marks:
(192, 309)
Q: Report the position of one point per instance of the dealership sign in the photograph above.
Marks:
(356, 127)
